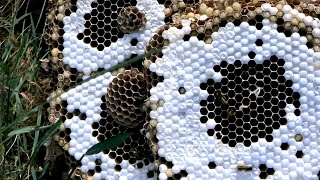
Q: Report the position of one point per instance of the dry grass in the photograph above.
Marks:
(23, 89)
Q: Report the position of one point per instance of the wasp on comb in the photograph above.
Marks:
(223, 99)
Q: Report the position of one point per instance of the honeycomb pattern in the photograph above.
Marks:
(63, 137)
(54, 32)
(130, 19)
(135, 152)
(125, 98)
(102, 26)
(58, 26)
(63, 75)
(99, 43)
(265, 82)
(248, 103)
(66, 77)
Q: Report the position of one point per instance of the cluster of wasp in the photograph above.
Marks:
(224, 101)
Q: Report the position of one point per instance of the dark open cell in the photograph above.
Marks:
(284, 146)
(223, 23)
(134, 42)
(251, 104)
(252, 22)
(299, 154)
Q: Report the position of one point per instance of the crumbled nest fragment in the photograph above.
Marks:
(130, 19)
(125, 97)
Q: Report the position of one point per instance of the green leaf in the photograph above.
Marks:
(108, 143)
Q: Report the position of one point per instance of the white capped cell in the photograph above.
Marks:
(308, 20)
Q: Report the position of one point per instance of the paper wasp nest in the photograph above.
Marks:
(131, 19)
(125, 98)
(234, 92)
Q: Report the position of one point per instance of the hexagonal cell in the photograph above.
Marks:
(299, 154)
(134, 42)
(210, 132)
(212, 165)
(182, 90)
(298, 137)
(259, 42)
(270, 171)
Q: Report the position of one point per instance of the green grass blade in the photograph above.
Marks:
(44, 170)
(108, 143)
(16, 120)
(20, 50)
(33, 173)
(4, 21)
(36, 134)
(22, 130)
(42, 10)
(46, 136)
(27, 129)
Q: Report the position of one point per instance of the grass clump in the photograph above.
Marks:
(22, 89)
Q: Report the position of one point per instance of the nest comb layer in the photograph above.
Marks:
(226, 97)
(84, 37)
(231, 78)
